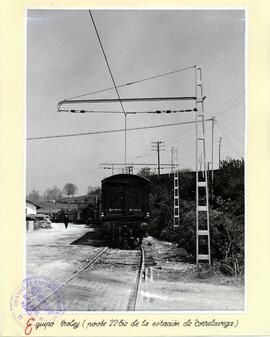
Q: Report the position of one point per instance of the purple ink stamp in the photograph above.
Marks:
(34, 298)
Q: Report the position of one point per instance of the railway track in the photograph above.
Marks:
(108, 286)
(86, 267)
(136, 290)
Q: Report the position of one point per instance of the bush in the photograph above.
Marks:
(226, 215)
(226, 234)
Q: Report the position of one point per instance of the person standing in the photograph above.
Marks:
(66, 221)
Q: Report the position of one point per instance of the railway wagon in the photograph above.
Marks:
(125, 208)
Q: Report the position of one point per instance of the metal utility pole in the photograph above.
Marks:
(172, 152)
(129, 169)
(176, 208)
(176, 215)
(158, 146)
(212, 158)
(201, 162)
(219, 151)
(125, 140)
(173, 156)
(203, 251)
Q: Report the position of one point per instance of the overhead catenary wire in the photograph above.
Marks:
(168, 111)
(107, 62)
(114, 84)
(231, 111)
(127, 99)
(182, 136)
(111, 131)
(132, 82)
(224, 134)
(231, 101)
(231, 133)
(129, 83)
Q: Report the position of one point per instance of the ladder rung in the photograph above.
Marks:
(202, 183)
(175, 206)
(203, 232)
(201, 138)
(203, 257)
(176, 215)
(176, 197)
(203, 208)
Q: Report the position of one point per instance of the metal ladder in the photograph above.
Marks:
(203, 252)
(176, 200)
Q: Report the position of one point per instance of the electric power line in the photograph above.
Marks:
(171, 140)
(231, 101)
(112, 131)
(231, 133)
(132, 82)
(184, 135)
(222, 131)
(232, 109)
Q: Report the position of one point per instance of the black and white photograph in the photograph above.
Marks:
(135, 150)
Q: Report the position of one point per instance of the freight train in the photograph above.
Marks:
(124, 208)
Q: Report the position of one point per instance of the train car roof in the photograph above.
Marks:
(123, 175)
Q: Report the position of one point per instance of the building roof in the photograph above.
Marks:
(34, 203)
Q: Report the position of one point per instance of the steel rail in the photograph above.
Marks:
(136, 290)
(90, 264)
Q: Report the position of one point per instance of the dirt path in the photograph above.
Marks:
(49, 252)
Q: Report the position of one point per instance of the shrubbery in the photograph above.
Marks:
(226, 216)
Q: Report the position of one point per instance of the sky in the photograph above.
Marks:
(64, 59)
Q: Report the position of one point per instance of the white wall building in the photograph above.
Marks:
(31, 207)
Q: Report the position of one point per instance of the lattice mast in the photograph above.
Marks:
(176, 209)
(203, 252)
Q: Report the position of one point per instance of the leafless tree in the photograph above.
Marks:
(34, 196)
(53, 193)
